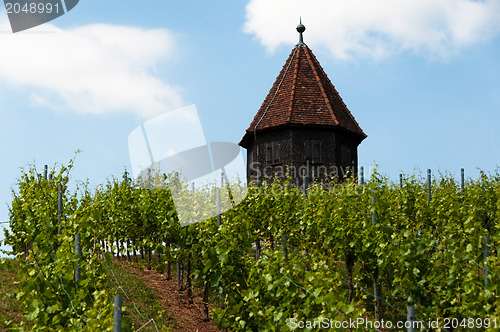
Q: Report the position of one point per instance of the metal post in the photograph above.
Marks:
(362, 176)
(376, 294)
(59, 208)
(401, 181)
(374, 215)
(78, 252)
(257, 249)
(283, 247)
(429, 176)
(117, 313)
(217, 191)
(304, 184)
(178, 265)
(410, 318)
(219, 222)
(486, 255)
(462, 179)
(45, 172)
(376, 286)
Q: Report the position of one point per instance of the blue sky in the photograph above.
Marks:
(422, 78)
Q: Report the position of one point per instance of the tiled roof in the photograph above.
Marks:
(303, 95)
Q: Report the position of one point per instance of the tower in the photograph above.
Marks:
(303, 128)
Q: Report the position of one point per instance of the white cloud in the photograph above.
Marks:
(96, 68)
(376, 28)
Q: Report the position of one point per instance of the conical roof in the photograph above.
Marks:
(303, 95)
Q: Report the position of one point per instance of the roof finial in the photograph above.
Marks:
(301, 28)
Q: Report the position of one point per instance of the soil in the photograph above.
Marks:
(187, 312)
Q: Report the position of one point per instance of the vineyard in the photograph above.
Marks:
(375, 250)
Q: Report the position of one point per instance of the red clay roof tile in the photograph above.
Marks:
(303, 95)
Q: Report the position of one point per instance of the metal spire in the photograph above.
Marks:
(301, 28)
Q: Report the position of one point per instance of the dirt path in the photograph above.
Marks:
(187, 314)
